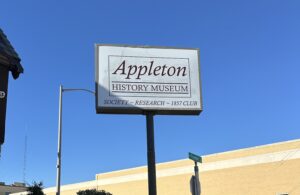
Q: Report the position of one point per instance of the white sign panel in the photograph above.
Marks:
(131, 79)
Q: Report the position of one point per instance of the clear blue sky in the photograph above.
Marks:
(250, 69)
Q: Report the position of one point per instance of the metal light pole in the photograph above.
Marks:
(58, 166)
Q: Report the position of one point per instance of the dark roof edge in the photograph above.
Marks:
(9, 57)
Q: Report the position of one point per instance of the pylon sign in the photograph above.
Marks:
(132, 79)
(3, 100)
(9, 62)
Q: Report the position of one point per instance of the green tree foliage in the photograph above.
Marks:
(93, 192)
(36, 189)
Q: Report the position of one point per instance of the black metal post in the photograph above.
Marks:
(197, 183)
(3, 100)
(151, 154)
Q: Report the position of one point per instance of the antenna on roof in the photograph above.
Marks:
(25, 158)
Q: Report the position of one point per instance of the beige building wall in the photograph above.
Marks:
(265, 170)
(9, 189)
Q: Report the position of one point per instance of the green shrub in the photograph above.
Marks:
(93, 192)
(36, 189)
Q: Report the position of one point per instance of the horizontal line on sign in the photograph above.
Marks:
(148, 57)
(146, 92)
(149, 96)
(148, 82)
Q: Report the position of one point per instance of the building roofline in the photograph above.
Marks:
(204, 156)
(253, 147)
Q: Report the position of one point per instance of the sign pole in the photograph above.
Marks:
(196, 181)
(197, 178)
(151, 154)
